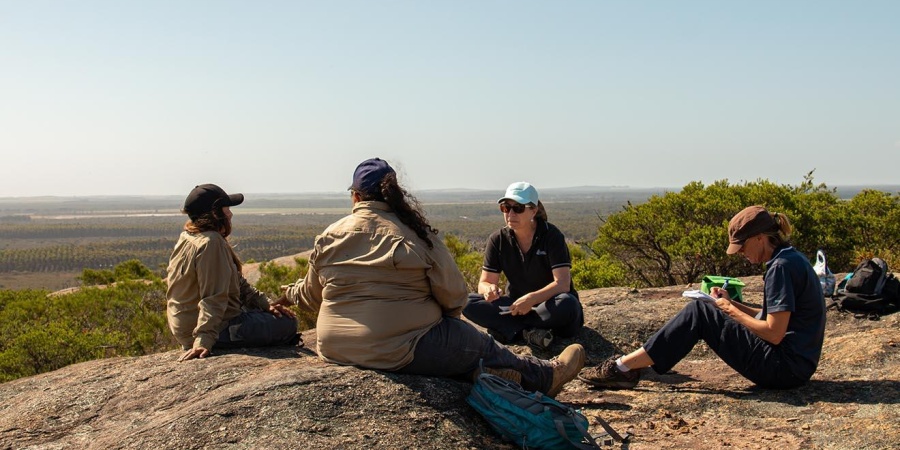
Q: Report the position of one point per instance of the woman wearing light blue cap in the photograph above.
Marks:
(541, 299)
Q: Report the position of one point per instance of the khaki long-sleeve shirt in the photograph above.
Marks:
(205, 289)
(378, 288)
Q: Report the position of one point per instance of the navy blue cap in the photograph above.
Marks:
(206, 197)
(368, 175)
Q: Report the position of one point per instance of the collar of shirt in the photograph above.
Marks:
(777, 253)
(371, 204)
(539, 231)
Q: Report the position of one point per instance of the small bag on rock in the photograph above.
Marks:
(826, 278)
(532, 419)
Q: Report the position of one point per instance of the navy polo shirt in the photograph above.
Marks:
(791, 284)
(531, 271)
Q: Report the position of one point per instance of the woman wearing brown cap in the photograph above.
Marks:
(777, 346)
(389, 295)
(209, 301)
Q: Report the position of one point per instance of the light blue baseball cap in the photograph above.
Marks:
(521, 192)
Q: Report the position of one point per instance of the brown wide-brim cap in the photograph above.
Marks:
(751, 221)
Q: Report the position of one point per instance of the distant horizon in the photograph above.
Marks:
(341, 192)
(597, 188)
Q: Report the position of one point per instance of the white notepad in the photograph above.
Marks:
(698, 294)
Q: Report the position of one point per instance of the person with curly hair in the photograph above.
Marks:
(389, 295)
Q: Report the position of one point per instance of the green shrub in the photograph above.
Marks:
(591, 271)
(132, 269)
(677, 238)
(274, 276)
(40, 332)
(468, 259)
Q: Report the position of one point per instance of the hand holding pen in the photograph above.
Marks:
(723, 291)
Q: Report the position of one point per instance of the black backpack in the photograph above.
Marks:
(869, 291)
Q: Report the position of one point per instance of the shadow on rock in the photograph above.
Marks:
(868, 392)
(598, 348)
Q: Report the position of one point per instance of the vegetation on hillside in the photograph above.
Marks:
(677, 238)
(41, 332)
(672, 238)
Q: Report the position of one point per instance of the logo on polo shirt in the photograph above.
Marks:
(540, 253)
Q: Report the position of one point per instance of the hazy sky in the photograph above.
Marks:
(153, 97)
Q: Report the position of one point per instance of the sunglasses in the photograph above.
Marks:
(518, 208)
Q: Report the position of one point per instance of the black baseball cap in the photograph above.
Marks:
(206, 197)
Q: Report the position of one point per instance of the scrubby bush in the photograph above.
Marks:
(874, 223)
(591, 270)
(467, 258)
(41, 332)
(132, 269)
(274, 276)
(677, 238)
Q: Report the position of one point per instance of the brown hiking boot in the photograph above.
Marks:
(566, 367)
(607, 375)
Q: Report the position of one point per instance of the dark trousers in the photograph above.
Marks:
(565, 316)
(755, 359)
(454, 347)
(258, 329)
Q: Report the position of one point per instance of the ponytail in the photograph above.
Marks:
(781, 234)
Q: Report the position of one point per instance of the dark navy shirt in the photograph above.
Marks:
(790, 284)
(531, 271)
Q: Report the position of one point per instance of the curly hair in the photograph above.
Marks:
(405, 206)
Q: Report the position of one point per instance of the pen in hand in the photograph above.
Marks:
(724, 287)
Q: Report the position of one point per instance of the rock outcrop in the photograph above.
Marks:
(287, 398)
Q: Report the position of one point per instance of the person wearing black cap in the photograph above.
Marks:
(389, 295)
(541, 299)
(776, 346)
(209, 301)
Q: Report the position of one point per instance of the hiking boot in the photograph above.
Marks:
(538, 337)
(566, 367)
(607, 375)
(508, 374)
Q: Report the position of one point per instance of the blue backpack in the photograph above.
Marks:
(531, 419)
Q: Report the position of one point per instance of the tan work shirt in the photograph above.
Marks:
(378, 288)
(206, 290)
